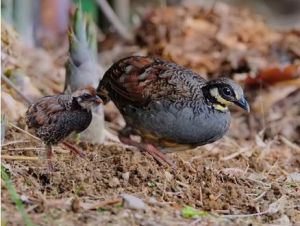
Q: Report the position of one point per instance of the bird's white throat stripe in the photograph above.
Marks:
(220, 107)
(214, 92)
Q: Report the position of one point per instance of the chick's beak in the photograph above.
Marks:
(97, 100)
(243, 103)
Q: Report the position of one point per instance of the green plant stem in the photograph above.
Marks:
(15, 197)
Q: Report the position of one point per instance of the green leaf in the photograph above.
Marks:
(79, 26)
(151, 184)
(190, 212)
(91, 36)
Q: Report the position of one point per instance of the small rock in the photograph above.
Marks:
(25, 199)
(114, 182)
(138, 216)
(75, 205)
(133, 202)
(168, 176)
(283, 220)
(126, 176)
(152, 201)
(293, 178)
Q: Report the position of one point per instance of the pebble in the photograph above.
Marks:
(293, 177)
(152, 201)
(126, 176)
(114, 182)
(168, 176)
(133, 202)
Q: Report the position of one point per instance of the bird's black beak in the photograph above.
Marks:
(243, 103)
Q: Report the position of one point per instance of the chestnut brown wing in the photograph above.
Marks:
(139, 80)
(40, 112)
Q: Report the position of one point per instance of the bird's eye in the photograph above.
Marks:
(86, 96)
(227, 91)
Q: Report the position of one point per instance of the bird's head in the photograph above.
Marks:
(86, 98)
(223, 92)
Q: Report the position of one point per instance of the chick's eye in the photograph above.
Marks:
(86, 96)
(227, 91)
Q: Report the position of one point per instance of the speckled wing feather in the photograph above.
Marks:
(140, 80)
(45, 108)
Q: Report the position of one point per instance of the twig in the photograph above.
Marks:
(24, 149)
(235, 154)
(15, 88)
(182, 184)
(200, 195)
(105, 159)
(102, 204)
(260, 196)
(15, 142)
(245, 215)
(24, 131)
(18, 157)
(195, 222)
(258, 182)
(290, 143)
(113, 18)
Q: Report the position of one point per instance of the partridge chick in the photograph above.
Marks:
(53, 118)
(170, 107)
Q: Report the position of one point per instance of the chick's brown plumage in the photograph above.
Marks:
(53, 118)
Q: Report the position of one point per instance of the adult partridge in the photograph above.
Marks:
(170, 107)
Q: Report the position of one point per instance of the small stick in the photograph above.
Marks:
(235, 154)
(200, 194)
(182, 184)
(260, 196)
(245, 215)
(19, 157)
(289, 143)
(15, 142)
(103, 204)
(195, 222)
(15, 88)
(25, 149)
(24, 131)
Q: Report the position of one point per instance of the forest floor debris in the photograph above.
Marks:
(233, 186)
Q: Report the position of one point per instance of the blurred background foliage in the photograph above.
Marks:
(41, 20)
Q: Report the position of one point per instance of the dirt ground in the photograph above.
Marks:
(227, 180)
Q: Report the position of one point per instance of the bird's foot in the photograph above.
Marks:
(151, 149)
(74, 149)
(157, 155)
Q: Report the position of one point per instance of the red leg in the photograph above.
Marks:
(49, 157)
(73, 149)
(149, 148)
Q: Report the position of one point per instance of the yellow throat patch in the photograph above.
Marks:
(222, 104)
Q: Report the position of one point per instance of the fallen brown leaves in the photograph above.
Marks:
(221, 40)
